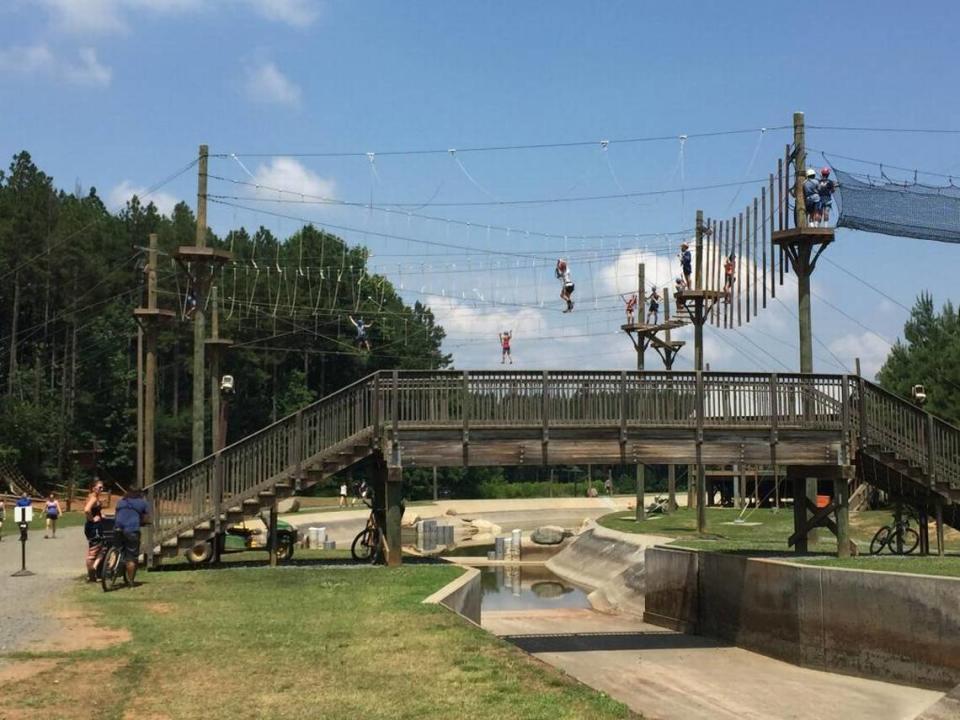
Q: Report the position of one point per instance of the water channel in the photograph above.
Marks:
(527, 587)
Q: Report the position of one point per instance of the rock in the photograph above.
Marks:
(451, 511)
(288, 505)
(548, 535)
(410, 521)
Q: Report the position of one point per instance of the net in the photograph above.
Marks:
(903, 209)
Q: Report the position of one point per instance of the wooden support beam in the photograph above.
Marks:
(272, 534)
(748, 262)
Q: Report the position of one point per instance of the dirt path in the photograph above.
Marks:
(27, 603)
(671, 676)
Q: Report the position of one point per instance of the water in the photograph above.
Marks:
(512, 587)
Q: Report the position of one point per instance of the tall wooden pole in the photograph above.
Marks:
(150, 371)
(671, 469)
(641, 310)
(199, 326)
(799, 166)
(139, 405)
(698, 321)
(698, 326)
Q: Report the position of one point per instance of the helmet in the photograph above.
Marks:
(811, 173)
(825, 172)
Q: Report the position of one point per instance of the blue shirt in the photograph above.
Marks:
(130, 513)
(24, 502)
(686, 259)
(810, 188)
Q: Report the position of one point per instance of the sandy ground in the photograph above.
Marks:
(672, 676)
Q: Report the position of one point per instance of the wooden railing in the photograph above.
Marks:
(381, 404)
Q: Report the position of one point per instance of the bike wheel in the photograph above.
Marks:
(111, 566)
(362, 548)
(880, 540)
(910, 541)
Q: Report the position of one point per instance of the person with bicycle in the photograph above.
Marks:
(93, 528)
(133, 512)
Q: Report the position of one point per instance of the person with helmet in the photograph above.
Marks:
(825, 189)
(362, 340)
(811, 197)
(505, 338)
(729, 277)
(630, 303)
(566, 289)
(653, 309)
(686, 263)
(678, 287)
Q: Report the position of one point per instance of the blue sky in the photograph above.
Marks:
(119, 93)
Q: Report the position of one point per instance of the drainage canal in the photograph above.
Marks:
(527, 587)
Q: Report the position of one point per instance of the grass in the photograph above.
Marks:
(261, 557)
(334, 643)
(67, 519)
(332, 504)
(769, 537)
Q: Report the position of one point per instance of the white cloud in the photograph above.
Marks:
(266, 84)
(871, 350)
(283, 173)
(86, 17)
(299, 13)
(39, 60)
(117, 198)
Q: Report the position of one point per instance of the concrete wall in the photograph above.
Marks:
(463, 595)
(888, 626)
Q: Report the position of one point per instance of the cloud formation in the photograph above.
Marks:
(119, 195)
(288, 174)
(39, 60)
(265, 83)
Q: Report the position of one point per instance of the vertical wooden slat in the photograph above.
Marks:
(739, 237)
(756, 229)
(747, 261)
(763, 241)
(727, 306)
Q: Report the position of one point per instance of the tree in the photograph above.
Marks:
(929, 355)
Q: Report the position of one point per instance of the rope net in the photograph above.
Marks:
(904, 209)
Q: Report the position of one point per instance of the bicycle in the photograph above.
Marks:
(113, 567)
(895, 536)
(366, 546)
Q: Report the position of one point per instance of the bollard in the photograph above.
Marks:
(329, 544)
(499, 547)
(429, 535)
(491, 554)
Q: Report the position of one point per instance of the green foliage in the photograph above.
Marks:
(72, 272)
(928, 356)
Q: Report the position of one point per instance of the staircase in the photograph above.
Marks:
(12, 478)
(894, 445)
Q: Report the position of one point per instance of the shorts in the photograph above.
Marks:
(813, 206)
(687, 270)
(568, 289)
(654, 308)
(506, 350)
(94, 534)
(129, 543)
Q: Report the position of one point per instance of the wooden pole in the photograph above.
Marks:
(756, 232)
(217, 434)
(641, 309)
(272, 530)
(641, 514)
(435, 493)
(739, 238)
(747, 262)
(799, 165)
(773, 249)
(150, 371)
(199, 330)
(139, 405)
(728, 301)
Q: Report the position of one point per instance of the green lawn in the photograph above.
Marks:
(948, 565)
(333, 643)
(68, 519)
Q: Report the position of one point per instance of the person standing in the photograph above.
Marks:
(93, 527)
(362, 340)
(133, 512)
(729, 276)
(686, 264)
(24, 500)
(811, 197)
(52, 511)
(608, 485)
(567, 287)
(505, 338)
(630, 305)
(825, 189)
(343, 494)
(653, 309)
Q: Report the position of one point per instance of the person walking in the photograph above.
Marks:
(567, 287)
(93, 527)
(133, 512)
(362, 340)
(343, 494)
(52, 511)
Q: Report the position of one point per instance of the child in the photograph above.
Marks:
(686, 264)
(678, 287)
(505, 346)
(361, 340)
(566, 292)
(653, 309)
(631, 306)
(729, 277)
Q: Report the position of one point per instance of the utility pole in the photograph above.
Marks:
(218, 347)
(641, 346)
(148, 318)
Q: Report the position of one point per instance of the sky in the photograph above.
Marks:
(305, 103)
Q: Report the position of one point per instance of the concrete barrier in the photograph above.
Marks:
(888, 626)
(463, 595)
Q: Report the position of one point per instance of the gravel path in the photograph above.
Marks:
(26, 602)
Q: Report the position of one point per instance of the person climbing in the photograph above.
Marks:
(505, 338)
(729, 277)
(686, 264)
(653, 309)
(362, 341)
(630, 306)
(190, 307)
(825, 189)
(811, 197)
(567, 287)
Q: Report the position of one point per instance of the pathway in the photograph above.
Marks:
(672, 676)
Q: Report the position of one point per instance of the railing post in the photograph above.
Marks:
(396, 405)
(623, 416)
(298, 449)
(376, 411)
(217, 492)
(845, 420)
(862, 387)
(155, 519)
(545, 417)
(931, 457)
(774, 438)
(466, 418)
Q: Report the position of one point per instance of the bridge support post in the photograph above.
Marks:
(672, 487)
(940, 549)
(272, 537)
(641, 508)
(386, 477)
(841, 497)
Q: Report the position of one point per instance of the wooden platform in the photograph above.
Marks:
(194, 254)
(153, 314)
(812, 235)
(672, 324)
(684, 295)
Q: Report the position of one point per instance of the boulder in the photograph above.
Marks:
(288, 505)
(548, 535)
(451, 511)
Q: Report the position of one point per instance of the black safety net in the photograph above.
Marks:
(884, 206)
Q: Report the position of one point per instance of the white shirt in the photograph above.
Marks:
(343, 489)
(567, 280)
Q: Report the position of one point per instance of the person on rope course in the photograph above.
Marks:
(729, 277)
(653, 309)
(362, 340)
(811, 197)
(679, 286)
(190, 306)
(686, 264)
(505, 338)
(630, 306)
(562, 272)
(825, 188)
